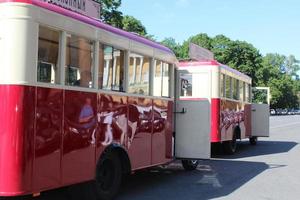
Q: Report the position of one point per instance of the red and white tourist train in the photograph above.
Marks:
(78, 100)
(82, 101)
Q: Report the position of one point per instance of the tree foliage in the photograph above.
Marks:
(291, 66)
(273, 70)
(201, 39)
(110, 13)
(173, 45)
(284, 88)
(132, 24)
(278, 72)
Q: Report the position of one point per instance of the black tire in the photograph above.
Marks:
(253, 140)
(108, 176)
(230, 147)
(190, 165)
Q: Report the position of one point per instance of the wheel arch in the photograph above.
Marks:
(122, 154)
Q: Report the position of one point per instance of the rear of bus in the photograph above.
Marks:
(199, 80)
(17, 102)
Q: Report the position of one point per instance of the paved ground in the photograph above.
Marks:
(270, 170)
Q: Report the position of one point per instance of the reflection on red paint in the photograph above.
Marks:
(52, 137)
(48, 138)
(16, 139)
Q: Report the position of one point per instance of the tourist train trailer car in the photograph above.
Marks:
(233, 115)
(81, 101)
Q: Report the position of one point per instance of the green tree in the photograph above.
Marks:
(110, 13)
(201, 39)
(272, 65)
(132, 24)
(172, 44)
(292, 66)
(221, 48)
(245, 58)
(284, 88)
(283, 93)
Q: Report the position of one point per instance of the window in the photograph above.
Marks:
(111, 68)
(186, 85)
(101, 66)
(157, 78)
(166, 80)
(48, 48)
(235, 89)
(250, 93)
(161, 79)
(222, 85)
(139, 70)
(247, 92)
(79, 59)
(241, 90)
(228, 87)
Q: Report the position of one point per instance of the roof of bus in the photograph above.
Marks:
(188, 63)
(93, 22)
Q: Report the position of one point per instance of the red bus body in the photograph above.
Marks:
(42, 146)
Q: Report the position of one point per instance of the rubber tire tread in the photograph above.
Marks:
(114, 158)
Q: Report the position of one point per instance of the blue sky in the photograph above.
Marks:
(272, 26)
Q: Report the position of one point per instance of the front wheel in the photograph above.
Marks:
(253, 140)
(108, 176)
(190, 165)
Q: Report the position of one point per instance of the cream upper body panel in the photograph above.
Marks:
(19, 40)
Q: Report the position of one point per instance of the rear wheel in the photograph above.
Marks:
(229, 147)
(253, 140)
(190, 165)
(108, 176)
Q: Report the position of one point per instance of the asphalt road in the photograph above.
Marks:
(270, 170)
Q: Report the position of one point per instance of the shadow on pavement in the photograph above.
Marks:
(212, 179)
(244, 149)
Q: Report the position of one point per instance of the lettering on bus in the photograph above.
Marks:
(85, 7)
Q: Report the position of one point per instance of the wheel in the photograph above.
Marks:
(229, 147)
(190, 165)
(108, 176)
(253, 140)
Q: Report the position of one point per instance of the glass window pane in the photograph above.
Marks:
(158, 72)
(112, 72)
(241, 90)
(101, 66)
(118, 70)
(139, 69)
(235, 90)
(166, 80)
(250, 92)
(186, 82)
(107, 69)
(79, 57)
(222, 85)
(228, 87)
(247, 92)
(48, 48)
